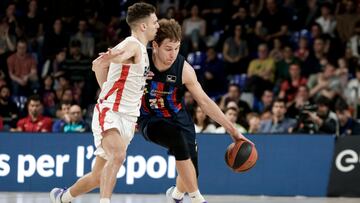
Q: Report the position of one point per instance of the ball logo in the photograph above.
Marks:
(345, 161)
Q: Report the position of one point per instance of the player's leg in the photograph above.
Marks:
(187, 176)
(90, 181)
(194, 159)
(115, 149)
(170, 136)
(83, 185)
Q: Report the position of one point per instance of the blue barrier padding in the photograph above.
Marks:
(287, 165)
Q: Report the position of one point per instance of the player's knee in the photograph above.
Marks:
(117, 157)
(180, 154)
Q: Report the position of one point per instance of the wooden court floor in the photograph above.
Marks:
(13, 197)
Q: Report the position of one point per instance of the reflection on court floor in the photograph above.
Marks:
(13, 197)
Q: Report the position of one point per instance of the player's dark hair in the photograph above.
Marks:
(139, 11)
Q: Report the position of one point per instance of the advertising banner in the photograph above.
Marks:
(287, 164)
(345, 173)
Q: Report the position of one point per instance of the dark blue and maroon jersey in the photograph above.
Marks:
(163, 95)
(163, 99)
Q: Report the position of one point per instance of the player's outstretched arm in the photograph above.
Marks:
(206, 104)
(115, 55)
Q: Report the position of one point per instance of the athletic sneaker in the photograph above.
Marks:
(56, 194)
(169, 197)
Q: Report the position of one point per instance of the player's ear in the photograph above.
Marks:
(143, 26)
(155, 45)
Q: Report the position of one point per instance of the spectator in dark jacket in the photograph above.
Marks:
(348, 125)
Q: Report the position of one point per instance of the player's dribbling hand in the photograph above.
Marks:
(236, 136)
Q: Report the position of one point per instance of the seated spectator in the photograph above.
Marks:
(282, 67)
(354, 42)
(276, 19)
(62, 83)
(85, 37)
(264, 103)
(241, 17)
(202, 122)
(231, 114)
(7, 45)
(35, 121)
(54, 66)
(55, 39)
(7, 41)
(277, 52)
(327, 21)
(253, 120)
(312, 64)
(213, 74)
(263, 66)
(302, 99)
(352, 91)
(348, 125)
(189, 102)
(67, 96)
(266, 114)
(303, 51)
(324, 119)
(344, 73)
(235, 52)
(8, 109)
(64, 117)
(76, 63)
(261, 73)
(325, 83)
(76, 124)
(278, 122)
(194, 29)
(48, 96)
(289, 87)
(234, 94)
(22, 70)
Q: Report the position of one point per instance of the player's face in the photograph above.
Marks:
(152, 26)
(167, 52)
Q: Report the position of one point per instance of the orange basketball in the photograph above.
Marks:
(241, 156)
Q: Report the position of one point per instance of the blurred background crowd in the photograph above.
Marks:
(273, 66)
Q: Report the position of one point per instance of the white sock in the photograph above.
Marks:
(104, 200)
(176, 194)
(67, 197)
(196, 197)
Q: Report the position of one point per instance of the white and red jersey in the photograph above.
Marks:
(125, 83)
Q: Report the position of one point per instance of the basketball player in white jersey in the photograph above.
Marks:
(121, 73)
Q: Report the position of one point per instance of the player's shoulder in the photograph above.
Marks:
(127, 43)
(187, 67)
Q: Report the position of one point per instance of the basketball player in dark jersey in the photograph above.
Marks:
(164, 119)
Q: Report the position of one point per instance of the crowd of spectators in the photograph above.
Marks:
(273, 66)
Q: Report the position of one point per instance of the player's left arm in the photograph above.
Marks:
(206, 104)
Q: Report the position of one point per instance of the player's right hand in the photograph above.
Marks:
(236, 136)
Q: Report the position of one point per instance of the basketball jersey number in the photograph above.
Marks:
(157, 103)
